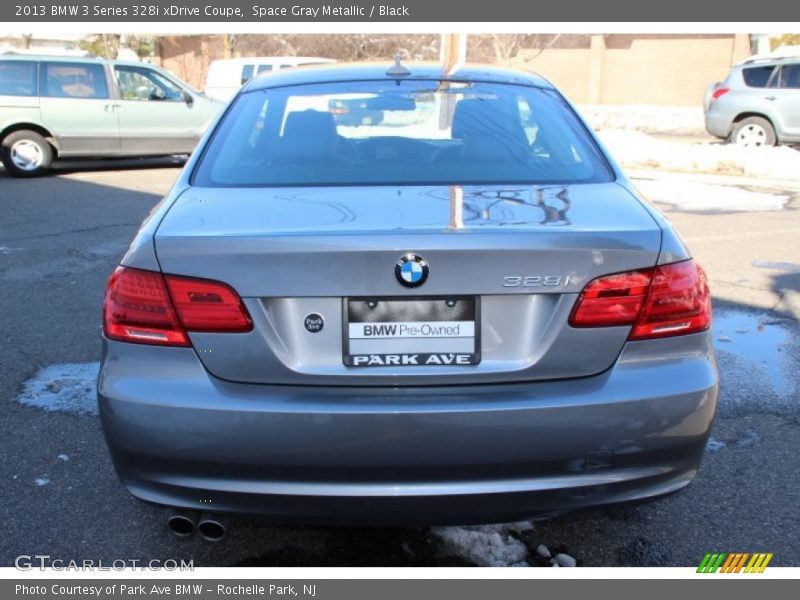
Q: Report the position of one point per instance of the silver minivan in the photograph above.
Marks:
(758, 104)
(56, 107)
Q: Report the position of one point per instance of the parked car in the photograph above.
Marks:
(56, 107)
(453, 316)
(758, 104)
(226, 75)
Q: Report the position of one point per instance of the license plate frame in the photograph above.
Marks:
(469, 307)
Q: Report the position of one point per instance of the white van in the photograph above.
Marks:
(226, 75)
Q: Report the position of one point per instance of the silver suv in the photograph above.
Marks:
(758, 104)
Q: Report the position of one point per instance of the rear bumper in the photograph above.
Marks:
(719, 124)
(451, 454)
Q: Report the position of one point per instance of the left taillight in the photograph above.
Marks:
(719, 93)
(205, 305)
(147, 307)
(137, 309)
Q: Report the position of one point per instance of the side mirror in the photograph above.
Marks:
(187, 97)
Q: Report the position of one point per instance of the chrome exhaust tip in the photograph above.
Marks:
(182, 523)
(211, 527)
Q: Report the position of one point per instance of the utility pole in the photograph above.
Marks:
(452, 54)
(453, 51)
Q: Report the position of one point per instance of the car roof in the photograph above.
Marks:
(270, 59)
(74, 59)
(341, 72)
(767, 61)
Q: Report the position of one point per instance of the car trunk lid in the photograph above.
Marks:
(523, 253)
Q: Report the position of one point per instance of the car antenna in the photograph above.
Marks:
(398, 69)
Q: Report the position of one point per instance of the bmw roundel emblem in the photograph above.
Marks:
(411, 270)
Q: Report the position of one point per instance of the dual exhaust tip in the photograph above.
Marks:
(209, 526)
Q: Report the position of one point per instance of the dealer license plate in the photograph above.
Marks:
(403, 332)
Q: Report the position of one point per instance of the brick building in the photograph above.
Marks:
(672, 69)
(637, 68)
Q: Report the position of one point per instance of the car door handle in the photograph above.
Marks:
(111, 107)
(770, 98)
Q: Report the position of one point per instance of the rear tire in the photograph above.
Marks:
(25, 153)
(753, 132)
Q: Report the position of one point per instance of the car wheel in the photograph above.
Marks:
(753, 132)
(26, 154)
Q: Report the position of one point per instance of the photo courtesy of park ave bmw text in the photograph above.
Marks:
(393, 287)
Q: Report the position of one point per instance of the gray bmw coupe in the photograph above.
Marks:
(404, 296)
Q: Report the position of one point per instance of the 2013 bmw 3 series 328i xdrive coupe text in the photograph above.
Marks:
(405, 296)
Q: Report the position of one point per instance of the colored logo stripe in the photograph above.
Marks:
(758, 563)
(734, 562)
(711, 562)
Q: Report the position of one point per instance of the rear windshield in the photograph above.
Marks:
(404, 132)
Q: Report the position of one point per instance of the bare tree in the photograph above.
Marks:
(105, 45)
(505, 47)
(785, 39)
(229, 41)
(350, 47)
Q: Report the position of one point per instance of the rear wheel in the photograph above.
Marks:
(26, 153)
(753, 132)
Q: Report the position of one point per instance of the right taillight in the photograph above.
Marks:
(659, 302)
(719, 92)
(678, 302)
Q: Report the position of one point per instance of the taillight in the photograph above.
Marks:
(147, 307)
(204, 305)
(137, 309)
(678, 303)
(663, 301)
(719, 92)
(612, 300)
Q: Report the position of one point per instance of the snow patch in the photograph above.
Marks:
(634, 149)
(68, 387)
(41, 481)
(779, 266)
(690, 196)
(565, 560)
(676, 120)
(487, 545)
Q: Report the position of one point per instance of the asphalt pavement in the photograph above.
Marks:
(62, 235)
